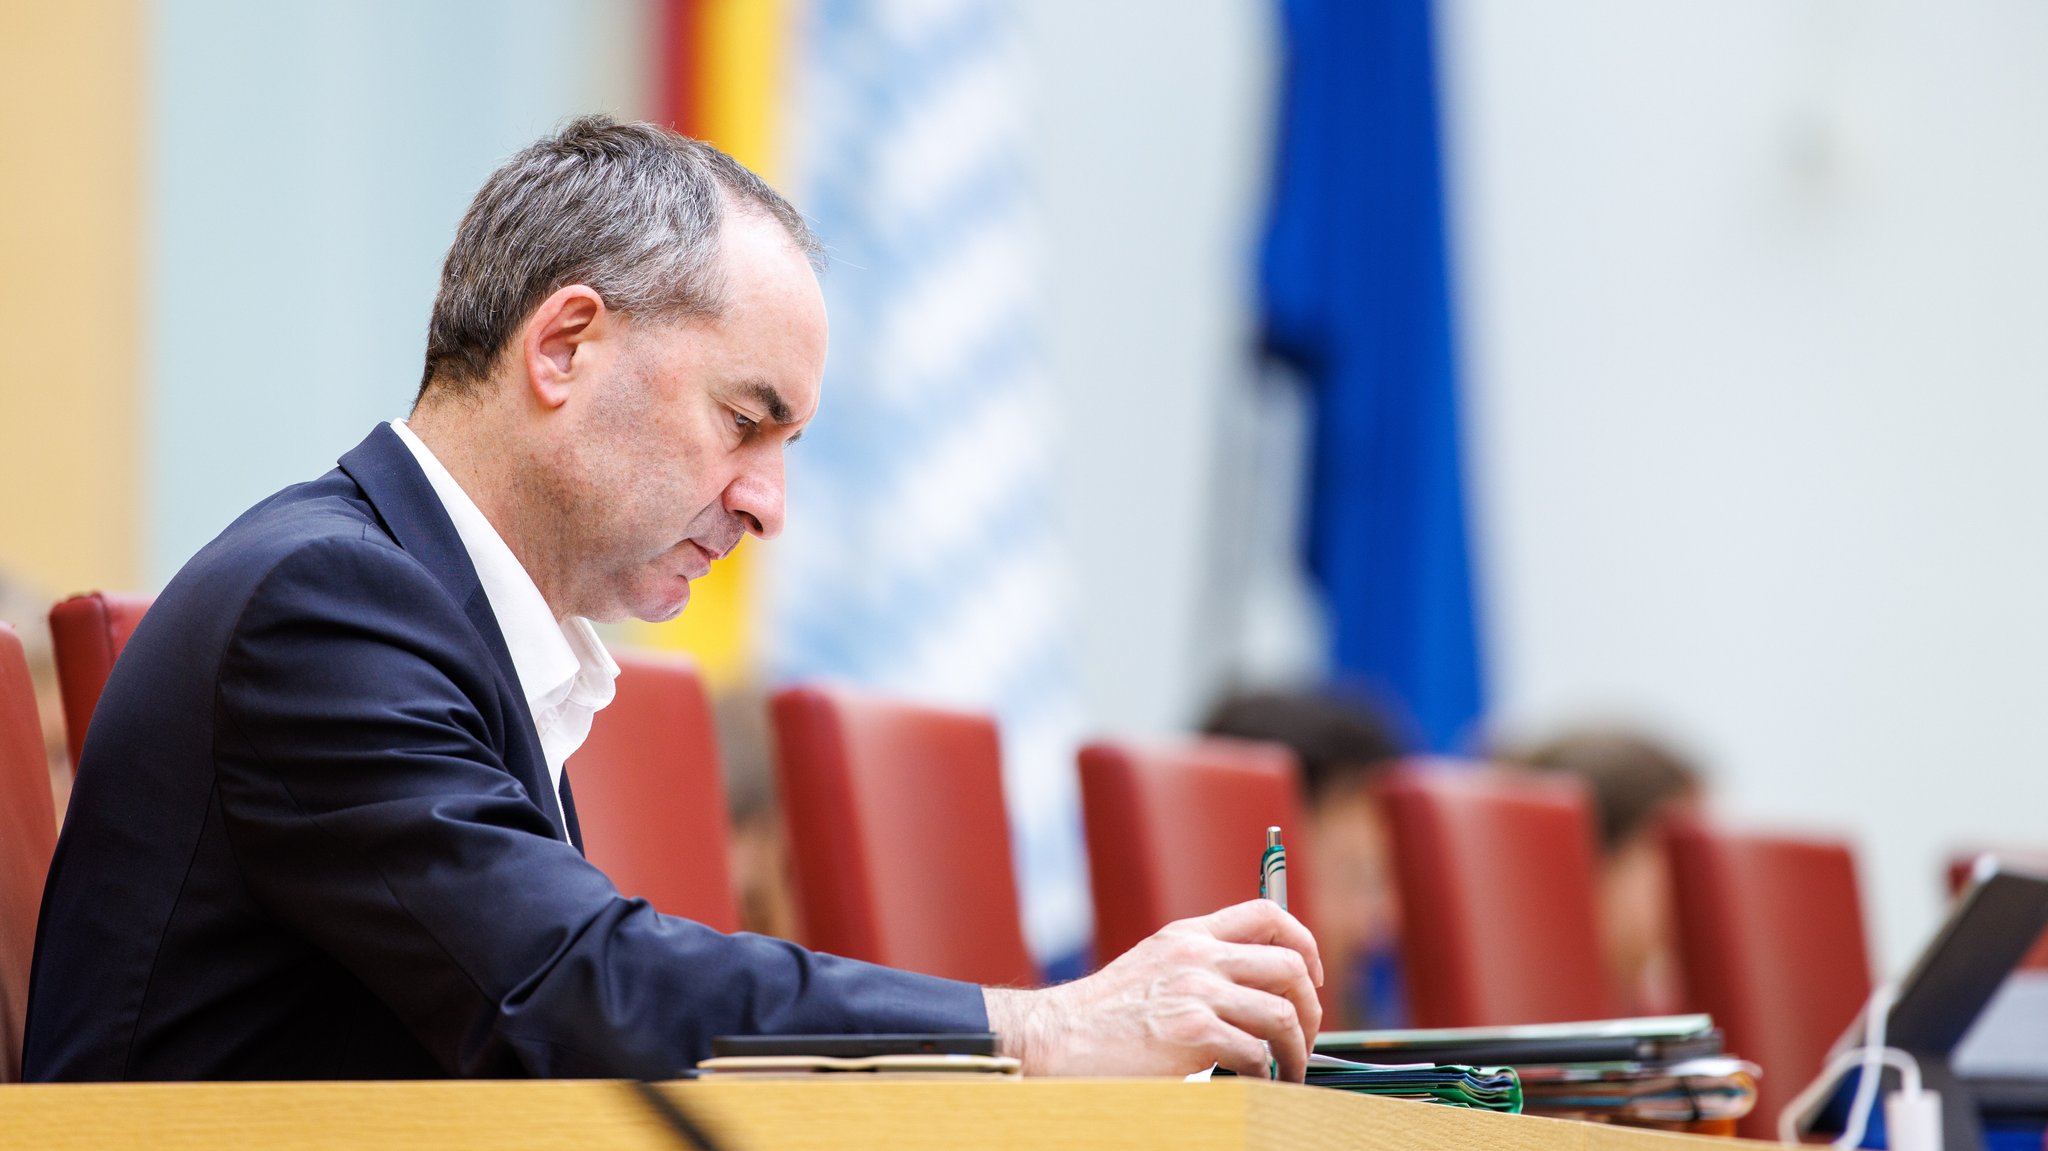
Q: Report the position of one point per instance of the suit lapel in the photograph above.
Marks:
(392, 481)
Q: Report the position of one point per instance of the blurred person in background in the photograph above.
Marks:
(1343, 744)
(760, 850)
(29, 611)
(1635, 780)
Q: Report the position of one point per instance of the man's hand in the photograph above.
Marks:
(1200, 991)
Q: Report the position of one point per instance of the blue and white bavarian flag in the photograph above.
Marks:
(926, 563)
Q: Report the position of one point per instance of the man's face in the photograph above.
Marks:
(678, 450)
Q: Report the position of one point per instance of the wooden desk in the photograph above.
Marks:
(762, 1116)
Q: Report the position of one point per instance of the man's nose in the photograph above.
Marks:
(756, 497)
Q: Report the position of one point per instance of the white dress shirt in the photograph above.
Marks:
(562, 665)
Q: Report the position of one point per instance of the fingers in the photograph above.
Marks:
(1220, 987)
(1277, 971)
(1264, 921)
(1245, 1056)
(1261, 1016)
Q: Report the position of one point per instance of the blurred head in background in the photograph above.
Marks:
(1635, 781)
(1342, 745)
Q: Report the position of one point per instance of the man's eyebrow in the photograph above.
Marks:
(768, 398)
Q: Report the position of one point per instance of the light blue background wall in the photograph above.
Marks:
(310, 162)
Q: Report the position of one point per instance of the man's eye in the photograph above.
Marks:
(742, 422)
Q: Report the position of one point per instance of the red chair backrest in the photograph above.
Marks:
(650, 792)
(89, 632)
(1177, 829)
(2033, 859)
(28, 834)
(899, 835)
(1770, 936)
(1498, 900)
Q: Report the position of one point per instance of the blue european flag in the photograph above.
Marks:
(1356, 297)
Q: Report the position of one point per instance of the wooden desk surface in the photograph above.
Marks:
(838, 1113)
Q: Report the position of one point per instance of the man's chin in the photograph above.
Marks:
(666, 608)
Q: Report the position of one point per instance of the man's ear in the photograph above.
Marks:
(552, 345)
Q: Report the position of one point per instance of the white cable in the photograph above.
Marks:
(1897, 1060)
(1876, 1014)
(1873, 1055)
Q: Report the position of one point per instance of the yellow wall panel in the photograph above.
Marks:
(70, 287)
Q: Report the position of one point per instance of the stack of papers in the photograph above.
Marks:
(1654, 1071)
(1717, 1087)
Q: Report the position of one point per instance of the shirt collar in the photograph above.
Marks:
(557, 661)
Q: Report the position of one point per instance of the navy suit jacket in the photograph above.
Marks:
(312, 837)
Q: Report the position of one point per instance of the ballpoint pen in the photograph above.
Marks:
(1273, 870)
(1273, 886)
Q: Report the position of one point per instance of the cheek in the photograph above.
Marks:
(654, 515)
(657, 485)
(672, 472)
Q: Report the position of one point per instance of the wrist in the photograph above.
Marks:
(1019, 1019)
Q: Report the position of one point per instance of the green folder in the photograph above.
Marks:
(1453, 1085)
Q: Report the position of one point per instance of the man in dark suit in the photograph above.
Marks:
(320, 827)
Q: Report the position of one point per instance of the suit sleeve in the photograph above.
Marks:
(357, 769)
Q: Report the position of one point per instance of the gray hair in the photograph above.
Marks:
(631, 210)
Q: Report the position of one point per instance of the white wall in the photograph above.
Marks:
(308, 165)
(1153, 129)
(1753, 322)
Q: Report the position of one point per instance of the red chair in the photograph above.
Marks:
(28, 834)
(899, 836)
(1496, 875)
(1770, 937)
(1176, 830)
(650, 795)
(89, 632)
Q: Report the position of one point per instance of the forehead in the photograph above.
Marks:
(773, 327)
(766, 274)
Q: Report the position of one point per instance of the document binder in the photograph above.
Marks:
(1651, 1039)
(1658, 1071)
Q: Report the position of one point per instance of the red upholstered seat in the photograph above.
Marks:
(1496, 875)
(89, 632)
(1770, 933)
(1177, 829)
(28, 833)
(899, 836)
(650, 792)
